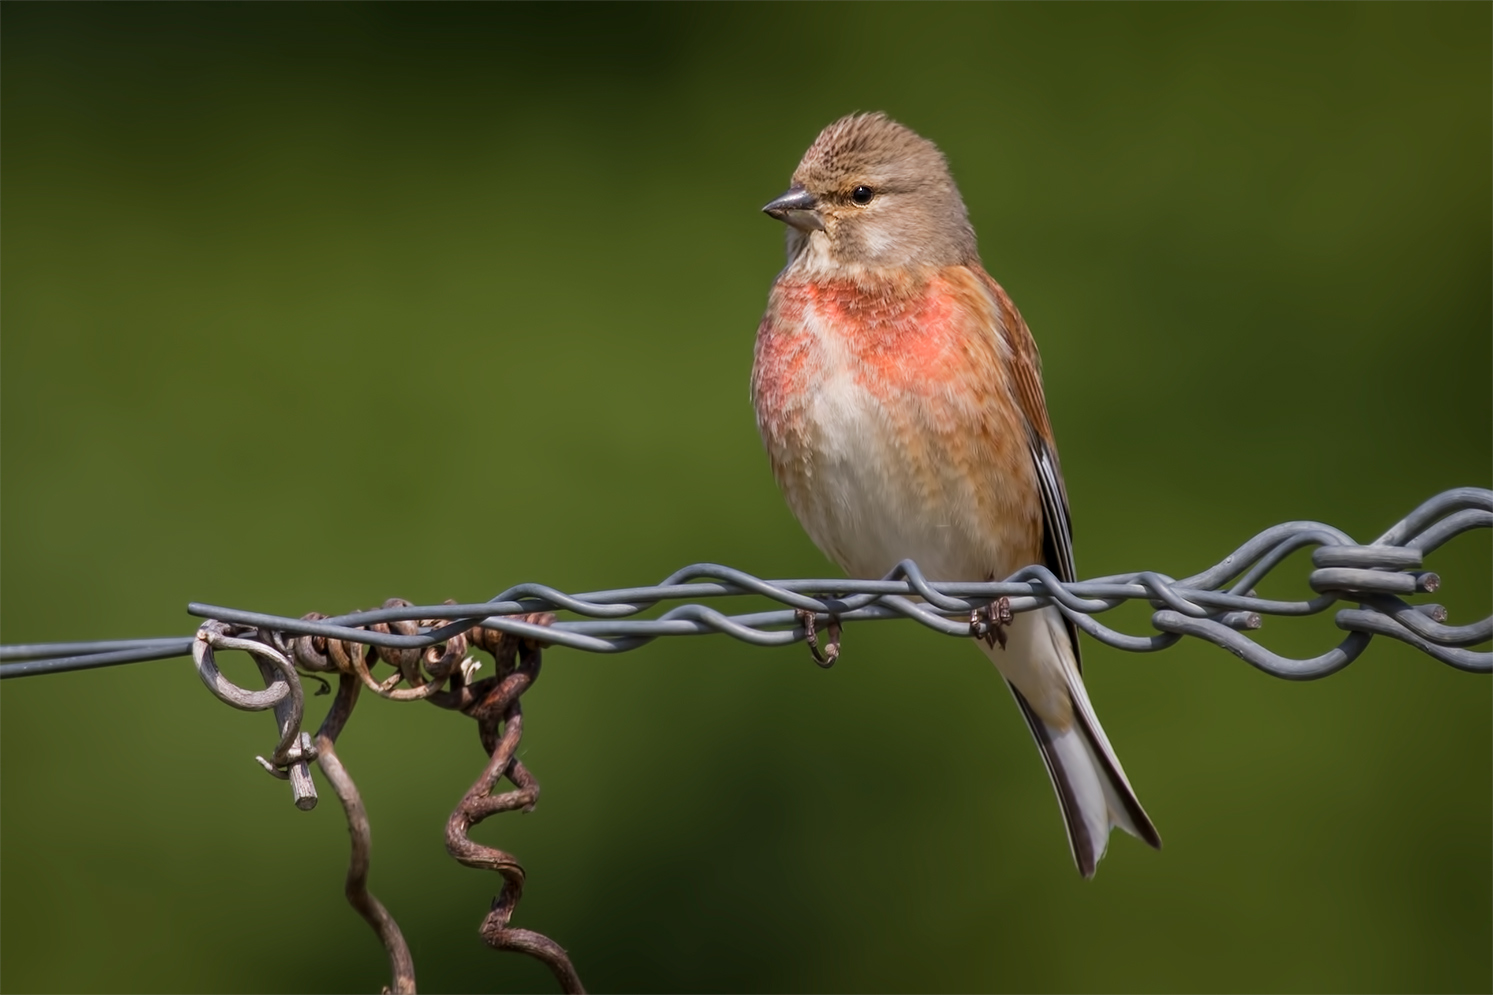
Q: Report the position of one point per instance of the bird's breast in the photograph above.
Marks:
(887, 415)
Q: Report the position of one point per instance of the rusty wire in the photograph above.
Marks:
(401, 964)
(494, 702)
(441, 674)
(428, 649)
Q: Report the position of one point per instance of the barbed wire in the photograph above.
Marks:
(428, 648)
(1217, 605)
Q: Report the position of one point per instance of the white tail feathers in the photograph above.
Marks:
(1040, 665)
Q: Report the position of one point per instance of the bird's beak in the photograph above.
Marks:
(798, 208)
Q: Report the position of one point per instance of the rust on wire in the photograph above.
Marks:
(442, 674)
(401, 965)
(494, 703)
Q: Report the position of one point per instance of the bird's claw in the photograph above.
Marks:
(831, 652)
(990, 622)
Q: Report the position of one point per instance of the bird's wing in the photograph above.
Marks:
(1092, 747)
(1026, 377)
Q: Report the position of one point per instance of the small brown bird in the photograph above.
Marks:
(899, 395)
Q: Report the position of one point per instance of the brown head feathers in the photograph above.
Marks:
(884, 197)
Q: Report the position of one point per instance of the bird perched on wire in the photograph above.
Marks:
(899, 395)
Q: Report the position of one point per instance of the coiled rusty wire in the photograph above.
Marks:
(440, 673)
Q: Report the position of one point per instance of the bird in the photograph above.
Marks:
(898, 393)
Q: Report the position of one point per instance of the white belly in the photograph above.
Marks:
(876, 494)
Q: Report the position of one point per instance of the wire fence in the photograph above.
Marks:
(1217, 605)
(429, 648)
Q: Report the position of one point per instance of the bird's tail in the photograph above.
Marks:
(1091, 786)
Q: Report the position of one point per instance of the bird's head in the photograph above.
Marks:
(871, 193)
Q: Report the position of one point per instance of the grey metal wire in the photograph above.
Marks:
(1217, 605)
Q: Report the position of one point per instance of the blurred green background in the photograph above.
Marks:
(307, 306)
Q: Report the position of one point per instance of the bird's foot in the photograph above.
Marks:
(831, 652)
(990, 622)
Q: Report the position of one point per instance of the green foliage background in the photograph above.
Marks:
(307, 306)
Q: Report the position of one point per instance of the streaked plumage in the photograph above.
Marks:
(899, 396)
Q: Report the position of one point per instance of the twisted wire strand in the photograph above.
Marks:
(1217, 605)
(427, 647)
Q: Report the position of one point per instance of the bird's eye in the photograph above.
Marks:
(862, 195)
